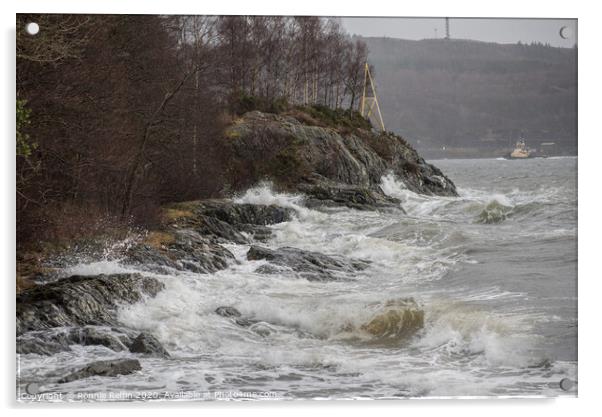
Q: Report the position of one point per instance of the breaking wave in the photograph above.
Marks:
(424, 318)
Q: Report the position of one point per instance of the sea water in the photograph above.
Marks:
(494, 270)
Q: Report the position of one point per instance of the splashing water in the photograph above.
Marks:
(490, 274)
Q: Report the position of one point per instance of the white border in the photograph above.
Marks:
(590, 154)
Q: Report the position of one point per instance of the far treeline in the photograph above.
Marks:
(119, 114)
(477, 98)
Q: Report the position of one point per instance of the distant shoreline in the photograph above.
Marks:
(499, 158)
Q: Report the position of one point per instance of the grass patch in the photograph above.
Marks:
(159, 240)
(244, 103)
(173, 214)
(232, 134)
(341, 119)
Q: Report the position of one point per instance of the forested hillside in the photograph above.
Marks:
(118, 114)
(476, 98)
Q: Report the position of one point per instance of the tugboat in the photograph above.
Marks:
(521, 151)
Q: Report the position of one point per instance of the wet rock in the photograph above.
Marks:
(186, 250)
(262, 329)
(313, 266)
(244, 214)
(93, 336)
(149, 345)
(224, 232)
(270, 269)
(227, 312)
(245, 322)
(231, 312)
(44, 342)
(81, 300)
(104, 368)
(287, 152)
(324, 192)
(224, 221)
(50, 341)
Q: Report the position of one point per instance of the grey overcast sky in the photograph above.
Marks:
(481, 29)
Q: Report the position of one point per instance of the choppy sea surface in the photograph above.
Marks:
(495, 271)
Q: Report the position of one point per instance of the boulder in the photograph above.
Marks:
(227, 312)
(149, 345)
(104, 368)
(231, 312)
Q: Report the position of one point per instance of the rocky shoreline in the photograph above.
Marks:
(342, 171)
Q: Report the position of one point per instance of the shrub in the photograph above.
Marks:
(344, 120)
(245, 103)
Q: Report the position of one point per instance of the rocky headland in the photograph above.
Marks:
(328, 163)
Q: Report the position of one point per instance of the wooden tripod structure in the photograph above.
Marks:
(368, 103)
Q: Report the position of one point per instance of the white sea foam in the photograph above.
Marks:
(99, 267)
(302, 344)
(455, 330)
(263, 194)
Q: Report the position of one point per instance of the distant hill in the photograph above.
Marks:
(476, 98)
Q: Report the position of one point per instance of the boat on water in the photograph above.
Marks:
(521, 151)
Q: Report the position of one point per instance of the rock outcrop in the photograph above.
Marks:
(320, 191)
(194, 232)
(60, 339)
(312, 266)
(182, 250)
(329, 166)
(291, 150)
(224, 221)
(81, 309)
(81, 300)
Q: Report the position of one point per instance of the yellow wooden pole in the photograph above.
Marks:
(380, 116)
(364, 90)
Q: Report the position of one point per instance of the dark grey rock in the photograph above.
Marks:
(321, 191)
(233, 313)
(230, 222)
(353, 157)
(313, 266)
(190, 251)
(44, 342)
(227, 312)
(224, 232)
(149, 345)
(270, 269)
(91, 336)
(240, 214)
(104, 368)
(50, 341)
(81, 300)
(245, 322)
